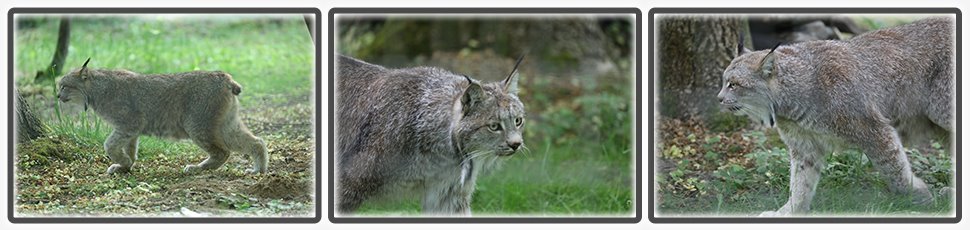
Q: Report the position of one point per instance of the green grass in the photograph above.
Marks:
(62, 173)
(265, 57)
(549, 180)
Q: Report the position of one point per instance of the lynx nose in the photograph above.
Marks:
(514, 145)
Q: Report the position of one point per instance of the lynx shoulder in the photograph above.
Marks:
(201, 106)
(870, 93)
(423, 129)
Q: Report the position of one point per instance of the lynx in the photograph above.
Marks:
(866, 92)
(421, 130)
(201, 106)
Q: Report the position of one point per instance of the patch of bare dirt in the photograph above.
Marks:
(276, 186)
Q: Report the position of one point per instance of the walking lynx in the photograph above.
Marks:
(866, 92)
(423, 130)
(199, 105)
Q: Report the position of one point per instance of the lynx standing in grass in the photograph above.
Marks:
(420, 129)
(200, 105)
(867, 92)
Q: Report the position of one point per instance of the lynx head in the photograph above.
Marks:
(72, 86)
(492, 118)
(744, 87)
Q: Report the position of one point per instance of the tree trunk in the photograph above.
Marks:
(60, 54)
(28, 125)
(693, 54)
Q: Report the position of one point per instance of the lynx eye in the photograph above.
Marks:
(494, 127)
(518, 121)
(731, 85)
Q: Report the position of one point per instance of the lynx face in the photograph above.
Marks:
(492, 119)
(495, 125)
(71, 86)
(744, 87)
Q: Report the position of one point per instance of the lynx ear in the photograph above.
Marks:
(768, 62)
(84, 69)
(512, 81)
(473, 95)
(741, 49)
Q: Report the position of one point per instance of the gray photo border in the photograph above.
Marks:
(653, 105)
(579, 219)
(208, 220)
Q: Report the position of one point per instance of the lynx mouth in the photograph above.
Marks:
(505, 153)
(733, 108)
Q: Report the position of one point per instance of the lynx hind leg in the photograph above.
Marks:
(120, 147)
(239, 139)
(807, 161)
(217, 155)
(885, 150)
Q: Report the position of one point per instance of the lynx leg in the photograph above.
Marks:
(886, 153)
(132, 150)
(807, 162)
(115, 146)
(356, 185)
(243, 141)
(449, 198)
(217, 156)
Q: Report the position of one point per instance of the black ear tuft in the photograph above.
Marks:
(512, 81)
(84, 69)
(85, 66)
(768, 62)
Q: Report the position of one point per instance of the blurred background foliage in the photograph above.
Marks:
(577, 82)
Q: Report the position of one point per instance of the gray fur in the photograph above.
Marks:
(866, 92)
(200, 105)
(420, 130)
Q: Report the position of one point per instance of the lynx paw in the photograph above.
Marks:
(116, 168)
(255, 171)
(191, 169)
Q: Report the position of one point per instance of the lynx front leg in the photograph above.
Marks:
(807, 162)
(449, 199)
(120, 147)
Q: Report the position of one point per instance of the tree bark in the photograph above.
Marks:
(60, 54)
(28, 125)
(693, 54)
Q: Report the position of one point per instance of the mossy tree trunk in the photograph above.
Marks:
(60, 53)
(28, 125)
(693, 53)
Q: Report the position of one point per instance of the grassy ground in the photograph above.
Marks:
(743, 173)
(63, 172)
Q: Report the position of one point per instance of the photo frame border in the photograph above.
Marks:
(524, 11)
(146, 220)
(654, 104)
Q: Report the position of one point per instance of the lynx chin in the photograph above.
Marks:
(871, 92)
(423, 131)
(200, 106)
